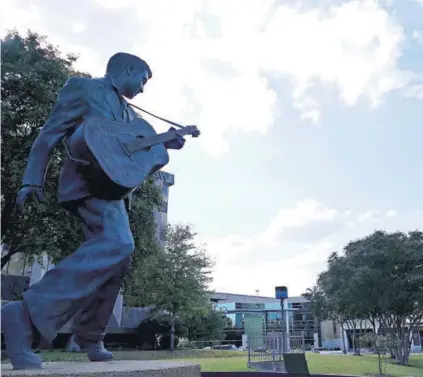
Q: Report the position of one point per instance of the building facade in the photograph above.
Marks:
(335, 336)
(259, 315)
(250, 316)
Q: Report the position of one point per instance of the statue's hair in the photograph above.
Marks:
(121, 59)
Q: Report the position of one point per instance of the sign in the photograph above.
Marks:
(281, 292)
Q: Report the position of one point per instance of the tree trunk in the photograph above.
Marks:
(356, 345)
(379, 358)
(344, 346)
(6, 214)
(391, 353)
(6, 258)
(402, 348)
(386, 328)
(405, 348)
(172, 333)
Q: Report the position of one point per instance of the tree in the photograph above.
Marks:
(155, 331)
(145, 200)
(328, 301)
(175, 280)
(33, 71)
(208, 323)
(381, 344)
(378, 278)
(389, 267)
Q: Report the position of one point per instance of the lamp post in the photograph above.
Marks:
(281, 293)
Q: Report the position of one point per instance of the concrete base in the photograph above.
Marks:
(121, 368)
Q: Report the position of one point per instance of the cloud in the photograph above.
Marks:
(415, 91)
(418, 35)
(370, 215)
(391, 213)
(79, 27)
(308, 220)
(219, 70)
(274, 257)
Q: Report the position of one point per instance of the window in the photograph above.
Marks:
(164, 206)
(16, 265)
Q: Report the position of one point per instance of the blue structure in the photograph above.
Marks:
(95, 185)
(244, 311)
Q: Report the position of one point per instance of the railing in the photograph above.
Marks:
(271, 347)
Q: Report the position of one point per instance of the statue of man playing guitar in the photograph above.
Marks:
(85, 284)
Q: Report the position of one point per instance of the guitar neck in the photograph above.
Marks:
(142, 143)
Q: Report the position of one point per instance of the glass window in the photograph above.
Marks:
(16, 265)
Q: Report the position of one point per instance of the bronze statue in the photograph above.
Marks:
(111, 151)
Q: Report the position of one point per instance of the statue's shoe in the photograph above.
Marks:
(95, 350)
(18, 336)
(71, 346)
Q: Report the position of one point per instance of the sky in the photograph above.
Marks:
(311, 114)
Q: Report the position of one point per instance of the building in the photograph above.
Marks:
(335, 336)
(253, 315)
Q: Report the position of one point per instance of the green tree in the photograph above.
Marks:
(324, 307)
(33, 72)
(388, 276)
(145, 200)
(155, 331)
(381, 344)
(175, 280)
(378, 278)
(208, 323)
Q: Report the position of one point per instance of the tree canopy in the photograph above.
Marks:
(205, 324)
(378, 278)
(176, 279)
(33, 72)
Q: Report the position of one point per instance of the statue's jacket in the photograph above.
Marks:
(79, 99)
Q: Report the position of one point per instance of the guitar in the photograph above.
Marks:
(115, 157)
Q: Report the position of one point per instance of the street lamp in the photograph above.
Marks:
(281, 293)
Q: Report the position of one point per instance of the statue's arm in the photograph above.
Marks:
(67, 112)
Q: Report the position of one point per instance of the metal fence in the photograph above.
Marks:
(211, 344)
(272, 346)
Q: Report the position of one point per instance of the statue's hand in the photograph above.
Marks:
(29, 192)
(176, 143)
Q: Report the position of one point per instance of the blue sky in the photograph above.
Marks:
(311, 115)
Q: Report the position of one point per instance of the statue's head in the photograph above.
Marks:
(129, 73)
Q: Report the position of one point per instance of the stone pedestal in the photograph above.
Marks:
(121, 368)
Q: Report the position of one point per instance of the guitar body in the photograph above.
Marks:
(114, 172)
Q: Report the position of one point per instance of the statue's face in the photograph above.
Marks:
(135, 83)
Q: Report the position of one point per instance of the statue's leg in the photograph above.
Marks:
(75, 282)
(19, 335)
(89, 325)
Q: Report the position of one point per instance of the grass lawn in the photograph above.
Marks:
(237, 361)
(330, 364)
(361, 365)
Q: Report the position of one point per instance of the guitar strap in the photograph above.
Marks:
(156, 116)
(154, 141)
